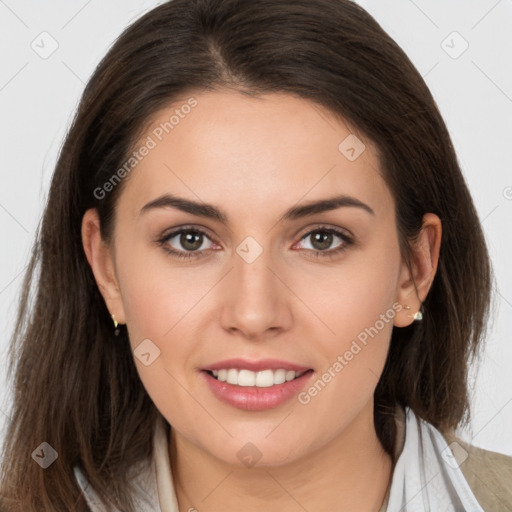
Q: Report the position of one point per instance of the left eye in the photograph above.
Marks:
(322, 239)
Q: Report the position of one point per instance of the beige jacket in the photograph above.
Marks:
(489, 475)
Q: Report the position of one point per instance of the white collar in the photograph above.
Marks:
(427, 474)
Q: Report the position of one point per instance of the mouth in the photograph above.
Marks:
(256, 385)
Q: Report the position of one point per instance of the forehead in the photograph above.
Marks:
(245, 152)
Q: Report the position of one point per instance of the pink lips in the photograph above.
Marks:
(256, 398)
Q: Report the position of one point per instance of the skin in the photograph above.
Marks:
(254, 158)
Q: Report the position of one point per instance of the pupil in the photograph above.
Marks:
(187, 240)
(323, 238)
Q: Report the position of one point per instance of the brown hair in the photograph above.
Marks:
(76, 387)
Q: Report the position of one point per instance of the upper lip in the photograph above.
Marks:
(255, 366)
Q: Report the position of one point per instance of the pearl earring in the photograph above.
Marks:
(418, 315)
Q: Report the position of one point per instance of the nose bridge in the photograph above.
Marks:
(252, 274)
(256, 295)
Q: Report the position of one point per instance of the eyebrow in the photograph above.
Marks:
(296, 212)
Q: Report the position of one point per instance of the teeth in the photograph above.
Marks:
(262, 379)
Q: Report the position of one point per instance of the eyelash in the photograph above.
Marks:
(187, 255)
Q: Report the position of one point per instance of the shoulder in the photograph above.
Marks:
(488, 473)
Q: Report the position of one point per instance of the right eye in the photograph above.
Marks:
(190, 239)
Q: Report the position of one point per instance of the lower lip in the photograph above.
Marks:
(254, 398)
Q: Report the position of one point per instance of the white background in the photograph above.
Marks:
(474, 92)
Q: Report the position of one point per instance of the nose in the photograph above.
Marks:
(256, 302)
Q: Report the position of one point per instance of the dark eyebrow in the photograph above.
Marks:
(212, 212)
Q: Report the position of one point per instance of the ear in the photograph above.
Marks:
(100, 257)
(415, 282)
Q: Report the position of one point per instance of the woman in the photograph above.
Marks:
(262, 279)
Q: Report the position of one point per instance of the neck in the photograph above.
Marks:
(350, 472)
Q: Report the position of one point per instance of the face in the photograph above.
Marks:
(281, 290)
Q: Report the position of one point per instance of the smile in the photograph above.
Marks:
(255, 385)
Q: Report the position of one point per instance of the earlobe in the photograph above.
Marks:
(415, 281)
(100, 258)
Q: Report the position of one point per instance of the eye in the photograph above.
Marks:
(190, 239)
(322, 238)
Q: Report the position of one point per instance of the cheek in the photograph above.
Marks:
(357, 307)
(161, 311)
(159, 295)
(353, 295)
(161, 307)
